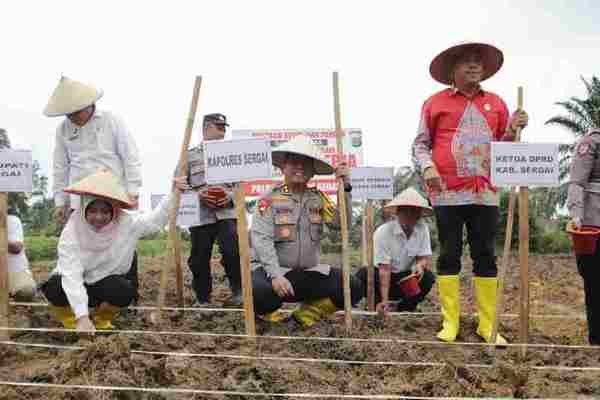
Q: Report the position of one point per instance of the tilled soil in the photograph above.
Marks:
(111, 359)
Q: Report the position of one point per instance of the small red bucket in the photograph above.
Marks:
(584, 239)
(410, 285)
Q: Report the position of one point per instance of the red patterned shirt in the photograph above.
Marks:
(454, 134)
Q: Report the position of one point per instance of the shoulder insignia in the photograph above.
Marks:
(328, 207)
(585, 146)
(264, 204)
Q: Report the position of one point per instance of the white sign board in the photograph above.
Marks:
(16, 171)
(189, 208)
(230, 161)
(372, 183)
(524, 164)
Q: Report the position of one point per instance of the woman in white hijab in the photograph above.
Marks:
(95, 252)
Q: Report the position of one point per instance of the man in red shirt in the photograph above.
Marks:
(452, 149)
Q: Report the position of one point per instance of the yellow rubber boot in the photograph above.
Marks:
(314, 310)
(485, 291)
(64, 314)
(275, 316)
(449, 289)
(104, 315)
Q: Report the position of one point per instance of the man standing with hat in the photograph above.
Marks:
(87, 140)
(402, 252)
(452, 149)
(217, 221)
(286, 239)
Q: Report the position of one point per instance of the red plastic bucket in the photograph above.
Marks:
(584, 240)
(410, 286)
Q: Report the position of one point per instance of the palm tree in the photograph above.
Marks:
(581, 115)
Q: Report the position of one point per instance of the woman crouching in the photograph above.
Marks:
(95, 251)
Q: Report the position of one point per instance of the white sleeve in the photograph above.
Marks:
(15, 229)
(152, 221)
(129, 154)
(382, 253)
(70, 269)
(424, 242)
(60, 169)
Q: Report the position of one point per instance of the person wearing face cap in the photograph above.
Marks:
(402, 250)
(89, 139)
(452, 150)
(217, 221)
(95, 251)
(286, 239)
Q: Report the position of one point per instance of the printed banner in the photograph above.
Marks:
(325, 139)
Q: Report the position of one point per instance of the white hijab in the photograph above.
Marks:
(90, 238)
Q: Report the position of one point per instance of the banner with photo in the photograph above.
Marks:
(323, 138)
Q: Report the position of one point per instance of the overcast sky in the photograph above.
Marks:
(268, 64)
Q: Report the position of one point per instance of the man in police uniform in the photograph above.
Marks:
(584, 208)
(286, 235)
(217, 221)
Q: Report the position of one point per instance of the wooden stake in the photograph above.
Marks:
(524, 262)
(342, 205)
(244, 244)
(3, 266)
(507, 241)
(174, 245)
(370, 263)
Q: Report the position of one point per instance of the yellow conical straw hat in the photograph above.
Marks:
(303, 146)
(411, 198)
(102, 184)
(70, 96)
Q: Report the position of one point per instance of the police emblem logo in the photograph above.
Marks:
(584, 148)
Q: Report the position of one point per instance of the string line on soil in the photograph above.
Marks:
(232, 393)
(307, 338)
(354, 312)
(310, 360)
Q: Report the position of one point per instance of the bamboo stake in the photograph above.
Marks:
(370, 261)
(3, 265)
(174, 244)
(507, 240)
(244, 245)
(524, 262)
(342, 205)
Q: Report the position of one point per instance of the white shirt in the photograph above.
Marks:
(78, 266)
(103, 142)
(16, 262)
(392, 247)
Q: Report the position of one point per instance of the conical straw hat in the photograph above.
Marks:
(411, 198)
(302, 145)
(442, 65)
(70, 96)
(102, 184)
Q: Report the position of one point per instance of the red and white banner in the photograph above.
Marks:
(323, 138)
